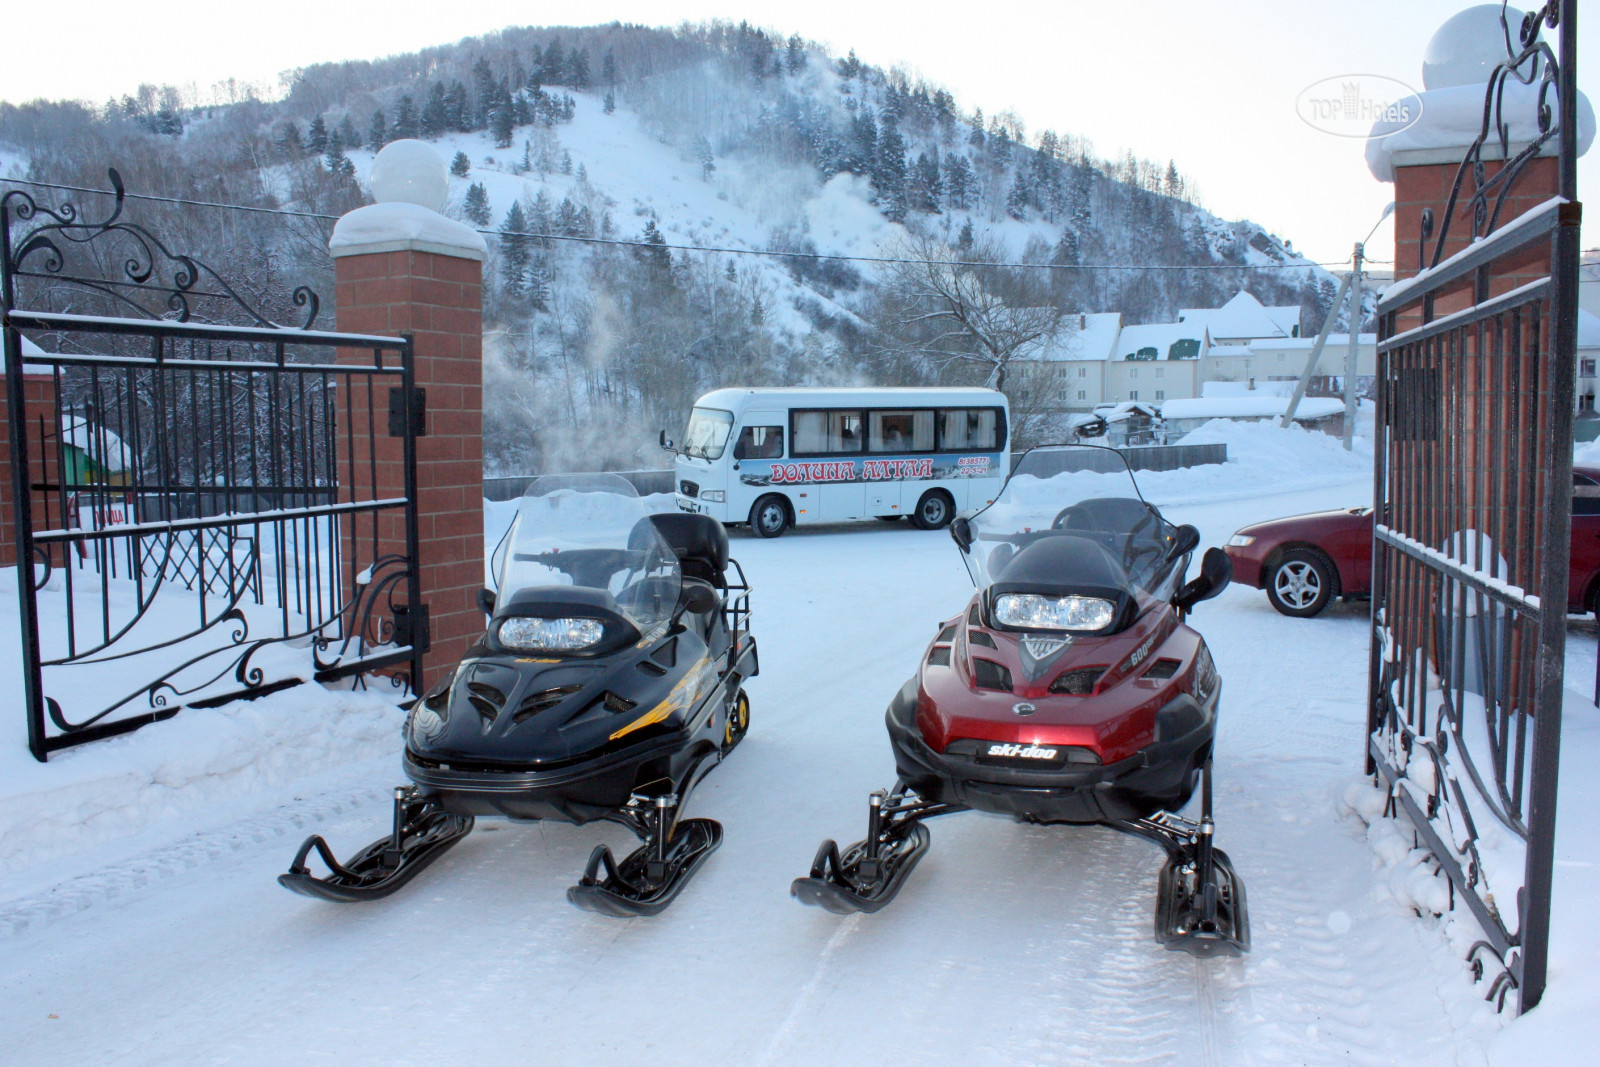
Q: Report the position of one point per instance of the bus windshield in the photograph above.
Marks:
(707, 434)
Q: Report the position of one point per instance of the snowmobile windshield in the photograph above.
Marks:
(590, 531)
(1068, 538)
(707, 433)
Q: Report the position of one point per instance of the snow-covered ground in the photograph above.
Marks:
(142, 922)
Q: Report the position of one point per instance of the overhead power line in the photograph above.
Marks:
(719, 250)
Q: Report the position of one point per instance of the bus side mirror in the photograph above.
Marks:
(666, 442)
(1216, 571)
(961, 532)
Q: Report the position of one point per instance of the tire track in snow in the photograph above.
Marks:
(140, 872)
(802, 1000)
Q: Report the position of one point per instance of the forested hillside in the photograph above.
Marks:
(600, 156)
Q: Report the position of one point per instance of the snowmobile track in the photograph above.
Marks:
(116, 880)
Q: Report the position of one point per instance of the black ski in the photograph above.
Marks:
(422, 833)
(649, 878)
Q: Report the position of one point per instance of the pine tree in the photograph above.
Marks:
(405, 119)
(503, 125)
(566, 162)
(553, 65)
(794, 55)
(485, 92)
(578, 69)
(378, 131)
(457, 111)
(708, 163)
(476, 205)
(289, 140)
(348, 137)
(433, 122)
(610, 105)
(889, 173)
(515, 253)
(964, 238)
(333, 156)
(317, 136)
(976, 139)
(460, 166)
(608, 70)
(1019, 196)
(957, 181)
(658, 255)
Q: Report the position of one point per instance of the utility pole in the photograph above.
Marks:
(1354, 347)
(1316, 355)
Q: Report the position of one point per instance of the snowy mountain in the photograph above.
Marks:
(712, 137)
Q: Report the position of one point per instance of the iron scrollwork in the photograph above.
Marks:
(1529, 59)
(147, 264)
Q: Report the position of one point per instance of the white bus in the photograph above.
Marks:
(778, 457)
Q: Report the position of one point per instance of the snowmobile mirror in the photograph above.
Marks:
(486, 601)
(961, 532)
(1185, 539)
(1216, 571)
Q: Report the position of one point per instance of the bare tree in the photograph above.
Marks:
(951, 308)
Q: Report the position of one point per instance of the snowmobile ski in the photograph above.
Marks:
(649, 878)
(422, 833)
(868, 875)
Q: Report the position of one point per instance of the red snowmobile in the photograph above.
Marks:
(1070, 689)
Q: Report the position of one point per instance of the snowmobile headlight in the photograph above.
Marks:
(1033, 612)
(526, 634)
(1241, 541)
(713, 496)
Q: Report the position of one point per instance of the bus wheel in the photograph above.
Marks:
(934, 510)
(770, 516)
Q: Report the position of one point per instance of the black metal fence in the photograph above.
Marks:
(208, 509)
(1473, 489)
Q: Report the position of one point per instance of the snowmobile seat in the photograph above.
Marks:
(699, 542)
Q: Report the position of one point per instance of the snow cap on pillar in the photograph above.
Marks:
(411, 184)
(1440, 123)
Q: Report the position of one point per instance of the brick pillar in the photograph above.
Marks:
(433, 292)
(39, 392)
(1427, 185)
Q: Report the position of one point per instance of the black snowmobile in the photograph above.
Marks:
(1069, 689)
(607, 684)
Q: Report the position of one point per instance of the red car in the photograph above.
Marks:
(1304, 562)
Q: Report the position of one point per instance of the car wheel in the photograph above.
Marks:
(770, 516)
(1302, 583)
(934, 510)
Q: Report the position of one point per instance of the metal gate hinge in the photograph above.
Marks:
(419, 412)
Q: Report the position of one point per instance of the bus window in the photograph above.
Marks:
(822, 432)
(969, 429)
(759, 442)
(901, 431)
(707, 433)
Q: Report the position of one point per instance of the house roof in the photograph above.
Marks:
(1242, 318)
(1089, 337)
(1588, 329)
(99, 444)
(1159, 335)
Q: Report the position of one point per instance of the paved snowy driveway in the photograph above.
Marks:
(1010, 943)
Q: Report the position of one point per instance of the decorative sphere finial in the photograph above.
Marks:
(409, 171)
(1468, 46)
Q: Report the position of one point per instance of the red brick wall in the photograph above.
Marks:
(39, 391)
(1428, 186)
(438, 299)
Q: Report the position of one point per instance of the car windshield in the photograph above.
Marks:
(592, 531)
(707, 434)
(1070, 516)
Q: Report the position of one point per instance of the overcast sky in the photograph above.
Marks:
(1210, 85)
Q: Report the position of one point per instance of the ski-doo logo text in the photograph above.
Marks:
(1021, 751)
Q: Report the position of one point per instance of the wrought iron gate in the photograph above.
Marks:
(211, 511)
(1473, 493)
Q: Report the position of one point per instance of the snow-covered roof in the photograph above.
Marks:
(1213, 390)
(1304, 344)
(1445, 121)
(1257, 406)
(399, 226)
(1126, 410)
(28, 349)
(1087, 337)
(1242, 318)
(99, 444)
(1161, 336)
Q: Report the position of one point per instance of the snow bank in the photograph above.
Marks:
(1242, 407)
(195, 767)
